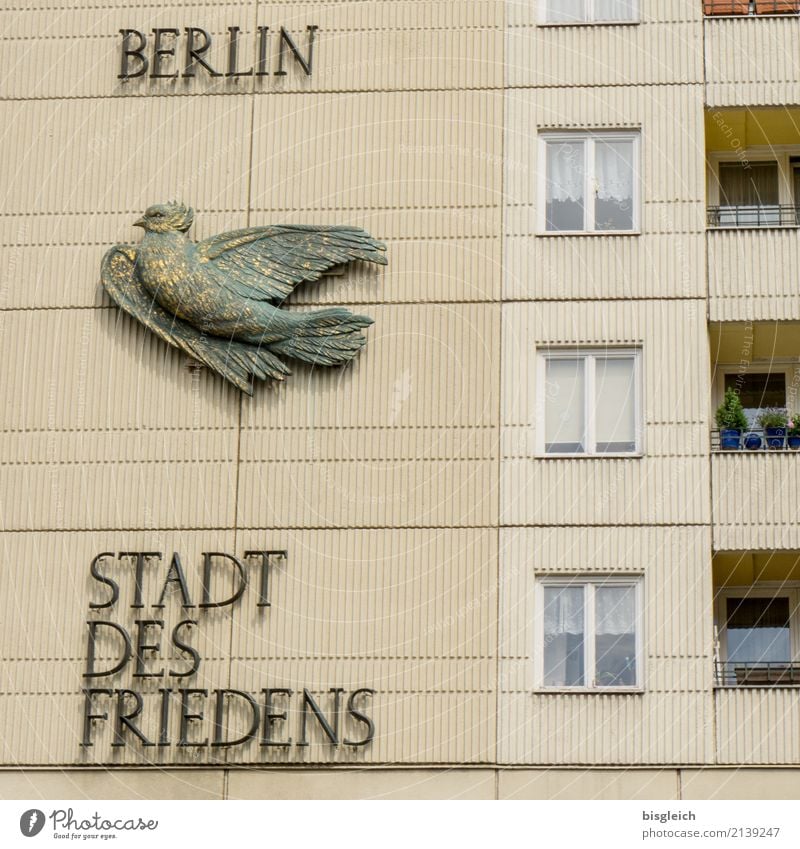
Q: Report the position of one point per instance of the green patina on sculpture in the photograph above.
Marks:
(220, 300)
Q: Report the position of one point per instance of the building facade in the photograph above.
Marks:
(517, 561)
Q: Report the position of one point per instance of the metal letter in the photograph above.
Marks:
(270, 717)
(194, 54)
(186, 716)
(141, 647)
(178, 578)
(89, 717)
(286, 41)
(90, 653)
(103, 579)
(207, 557)
(127, 52)
(233, 58)
(219, 718)
(159, 52)
(356, 714)
(125, 720)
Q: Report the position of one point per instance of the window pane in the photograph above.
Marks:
(753, 184)
(615, 404)
(565, 181)
(758, 630)
(614, 185)
(748, 194)
(757, 391)
(615, 10)
(566, 10)
(615, 638)
(563, 637)
(564, 406)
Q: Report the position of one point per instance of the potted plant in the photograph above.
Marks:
(793, 432)
(731, 421)
(774, 423)
(726, 7)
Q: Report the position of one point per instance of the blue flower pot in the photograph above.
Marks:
(730, 439)
(776, 436)
(752, 442)
(794, 442)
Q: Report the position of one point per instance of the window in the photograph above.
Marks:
(590, 402)
(758, 391)
(589, 634)
(759, 635)
(590, 182)
(758, 188)
(589, 11)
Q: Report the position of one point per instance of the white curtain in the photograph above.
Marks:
(615, 401)
(564, 404)
(614, 170)
(615, 610)
(566, 10)
(615, 10)
(563, 611)
(565, 171)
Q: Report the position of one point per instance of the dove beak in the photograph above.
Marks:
(139, 223)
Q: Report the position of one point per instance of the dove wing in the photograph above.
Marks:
(266, 263)
(233, 360)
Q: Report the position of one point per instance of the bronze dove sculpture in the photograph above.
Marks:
(219, 300)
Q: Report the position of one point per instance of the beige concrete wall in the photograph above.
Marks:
(752, 61)
(751, 275)
(754, 501)
(405, 486)
(477, 784)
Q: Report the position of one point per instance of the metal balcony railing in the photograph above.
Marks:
(753, 216)
(761, 674)
(755, 439)
(751, 7)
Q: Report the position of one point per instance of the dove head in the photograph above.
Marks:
(166, 217)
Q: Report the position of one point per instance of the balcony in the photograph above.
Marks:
(750, 7)
(753, 213)
(750, 54)
(755, 674)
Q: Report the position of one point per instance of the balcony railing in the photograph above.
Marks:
(755, 439)
(753, 216)
(751, 7)
(737, 674)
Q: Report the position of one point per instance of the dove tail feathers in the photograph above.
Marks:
(327, 337)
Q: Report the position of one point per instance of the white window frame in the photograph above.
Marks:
(765, 589)
(590, 356)
(589, 137)
(590, 18)
(590, 582)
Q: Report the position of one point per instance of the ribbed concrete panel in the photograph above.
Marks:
(416, 595)
(109, 155)
(677, 589)
(644, 54)
(752, 275)
(584, 267)
(358, 46)
(754, 500)
(604, 491)
(98, 370)
(449, 255)
(47, 588)
(410, 614)
(673, 154)
(667, 722)
(424, 456)
(367, 150)
(669, 332)
(752, 61)
(605, 729)
(758, 725)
